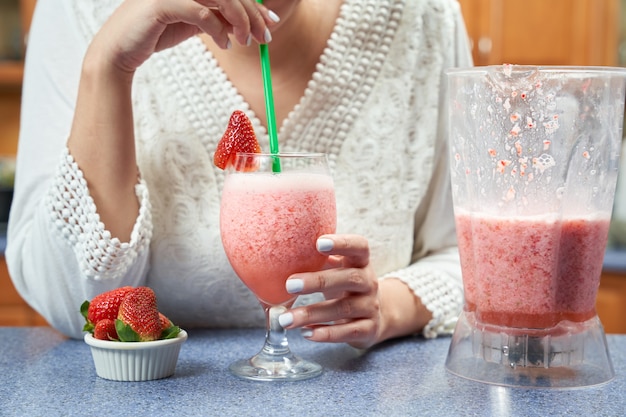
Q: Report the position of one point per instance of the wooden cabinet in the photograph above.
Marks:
(611, 302)
(9, 120)
(13, 310)
(543, 32)
(11, 73)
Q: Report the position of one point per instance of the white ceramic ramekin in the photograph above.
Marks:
(135, 361)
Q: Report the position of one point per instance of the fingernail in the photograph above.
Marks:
(273, 16)
(229, 44)
(267, 36)
(306, 332)
(294, 285)
(285, 319)
(324, 244)
(249, 40)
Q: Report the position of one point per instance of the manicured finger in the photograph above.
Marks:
(354, 280)
(336, 310)
(360, 334)
(354, 248)
(270, 19)
(243, 18)
(195, 13)
(259, 19)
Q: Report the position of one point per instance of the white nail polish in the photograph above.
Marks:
(324, 245)
(249, 40)
(267, 36)
(306, 332)
(294, 285)
(273, 16)
(229, 44)
(285, 319)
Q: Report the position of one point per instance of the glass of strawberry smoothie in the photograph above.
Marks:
(273, 209)
(534, 158)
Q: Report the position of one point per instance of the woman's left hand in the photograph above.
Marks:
(351, 312)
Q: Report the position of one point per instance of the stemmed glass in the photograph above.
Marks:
(273, 209)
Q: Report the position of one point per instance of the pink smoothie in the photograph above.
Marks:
(531, 272)
(269, 225)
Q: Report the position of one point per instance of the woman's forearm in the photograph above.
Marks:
(403, 311)
(102, 141)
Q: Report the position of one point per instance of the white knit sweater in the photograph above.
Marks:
(374, 104)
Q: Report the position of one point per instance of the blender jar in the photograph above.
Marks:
(534, 162)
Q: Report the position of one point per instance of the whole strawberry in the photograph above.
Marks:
(138, 319)
(103, 306)
(165, 322)
(170, 330)
(238, 137)
(105, 330)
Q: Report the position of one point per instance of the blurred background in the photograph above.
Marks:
(533, 32)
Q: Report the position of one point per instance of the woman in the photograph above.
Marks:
(123, 105)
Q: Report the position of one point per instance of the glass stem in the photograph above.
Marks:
(276, 337)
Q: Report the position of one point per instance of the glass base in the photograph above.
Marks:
(569, 355)
(264, 368)
(275, 362)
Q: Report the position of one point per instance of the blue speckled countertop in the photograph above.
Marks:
(45, 374)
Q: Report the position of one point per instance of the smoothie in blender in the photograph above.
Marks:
(531, 272)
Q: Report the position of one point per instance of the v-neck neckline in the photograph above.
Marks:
(343, 77)
(338, 27)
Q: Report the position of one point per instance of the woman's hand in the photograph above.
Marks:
(359, 309)
(139, 28)
(352, 297)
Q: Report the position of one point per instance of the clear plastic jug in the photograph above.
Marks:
(534, 163)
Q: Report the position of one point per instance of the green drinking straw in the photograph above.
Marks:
(269, 102)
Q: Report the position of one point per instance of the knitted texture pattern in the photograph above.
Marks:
(373, 105)
(74, 213)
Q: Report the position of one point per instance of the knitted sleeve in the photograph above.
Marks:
(74, 214)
